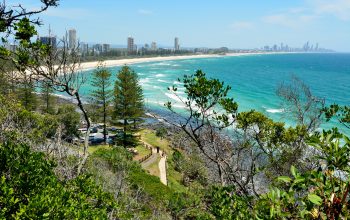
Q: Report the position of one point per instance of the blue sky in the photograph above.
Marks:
(231, 23)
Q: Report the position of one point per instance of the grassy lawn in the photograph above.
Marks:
(153, 169)
(94, 148)
(150, 137)
(141, 152)
(174, 177)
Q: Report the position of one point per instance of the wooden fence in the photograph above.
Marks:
(145, 157)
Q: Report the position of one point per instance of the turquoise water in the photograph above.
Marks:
(253, 78)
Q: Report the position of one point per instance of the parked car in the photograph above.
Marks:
(93, 130)
(96, 138)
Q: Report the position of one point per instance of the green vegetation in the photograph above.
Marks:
(150, 137)
(342, 113)
(141, 152)
(48, 98)
(102, 96)
(93, 149)
(261, 169)
(70, 119)
(161, 132)
(26, 94)
(30, 189)
(128, 98)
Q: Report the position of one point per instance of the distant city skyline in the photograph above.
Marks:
(202, 24)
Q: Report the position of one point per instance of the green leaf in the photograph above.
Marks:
(285, 179)
(315, 199)
(299, 180)
(293, 170)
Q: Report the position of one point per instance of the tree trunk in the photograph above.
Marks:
(104, 124)
(124, 135)
(86, 141)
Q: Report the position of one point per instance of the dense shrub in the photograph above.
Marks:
(30, 190)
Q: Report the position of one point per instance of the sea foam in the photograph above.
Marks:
(273, 111)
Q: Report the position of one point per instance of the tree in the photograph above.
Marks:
(19, 23)
(299, 101)
(161, 132)
(4, 83)
(48, 98)
(38, 61)
(341, 113)
(138, 101)
(31, 190)
(61, 69)
(204, 98)
(102, 95)
(26, 94)
(23, 126)
(256, 149)
(128, 97)
(70, 119)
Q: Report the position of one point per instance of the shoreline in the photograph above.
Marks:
(112, 63)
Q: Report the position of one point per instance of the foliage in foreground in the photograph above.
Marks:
(29, 189)
(317, 194)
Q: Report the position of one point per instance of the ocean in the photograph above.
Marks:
(254, 79)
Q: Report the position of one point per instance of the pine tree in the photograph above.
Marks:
(102, 95)
(128, 97)
(26, 94)
(48, 99)
(138, 102)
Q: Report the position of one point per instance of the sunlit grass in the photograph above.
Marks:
(141, 152)
(94, 148)
(149, 136)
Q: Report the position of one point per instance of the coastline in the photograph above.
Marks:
(111, 63)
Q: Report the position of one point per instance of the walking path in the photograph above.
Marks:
(161, 164)
(162, 169)
(150, 160)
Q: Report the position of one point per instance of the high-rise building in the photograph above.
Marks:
(177, 45)
(72, 34)
(131, 45)
(275, 47)
(98, 48)
(84, 48)
(106, 48)
(153, 46)
(49, 40)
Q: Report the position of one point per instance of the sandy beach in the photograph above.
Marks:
(111, 63)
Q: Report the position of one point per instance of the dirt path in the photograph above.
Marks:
(162, 169)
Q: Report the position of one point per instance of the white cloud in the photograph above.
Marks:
(336, 8)
(144, 12)
(312, 10)
(290, 20)
(240, 25)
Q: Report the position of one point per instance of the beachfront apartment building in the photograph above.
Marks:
(176, 44)
(49, 40)
(131, 45)
(154, 46)
(106, 48)
(72, 38)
